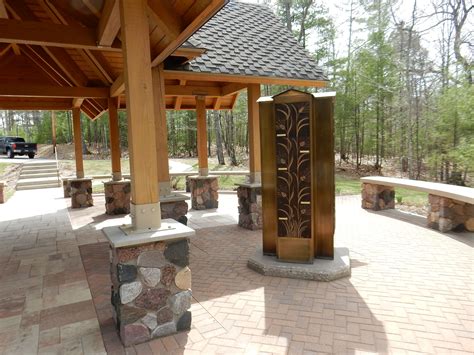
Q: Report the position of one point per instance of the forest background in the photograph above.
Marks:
(402, 71)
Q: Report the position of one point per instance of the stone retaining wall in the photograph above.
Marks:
(117, 197)
(204, 192)
(2, 196)
(377, 197)
(250, 207)
(81, 193)
(151, 290)
(446, 214)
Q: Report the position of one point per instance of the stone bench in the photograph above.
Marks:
(451, 207)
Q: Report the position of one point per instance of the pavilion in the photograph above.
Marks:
(146, 56)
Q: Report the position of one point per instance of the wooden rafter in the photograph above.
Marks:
(65, 62)
(192, 20)
(165, 17)
(109, 23)
(37, 56)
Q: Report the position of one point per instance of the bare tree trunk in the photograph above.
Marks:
(218, 130)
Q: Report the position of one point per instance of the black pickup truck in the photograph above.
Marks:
(12, 146)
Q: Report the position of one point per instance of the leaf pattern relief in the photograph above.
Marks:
(293, 169)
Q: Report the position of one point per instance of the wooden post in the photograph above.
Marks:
(53, 129)
(145, 207)
(201, 135)
(255, 165)
(76, 121)
(114, 139)
(161, 131)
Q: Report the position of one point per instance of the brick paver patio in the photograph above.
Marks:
(411, 289)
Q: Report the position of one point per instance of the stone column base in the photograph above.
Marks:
(446, 214)
(250, 206)
(377, 197)
(81, 193)
(151, 284)
(174, 206)
(117, 197)
(66, 188)
(204, 192)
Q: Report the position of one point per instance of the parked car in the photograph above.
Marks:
(12, 146)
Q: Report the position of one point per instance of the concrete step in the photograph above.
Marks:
(40, 181)
(38, 175)
(42, 165)
(38, 171)
(39, 186)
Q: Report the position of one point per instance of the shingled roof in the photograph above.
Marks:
(248, 39)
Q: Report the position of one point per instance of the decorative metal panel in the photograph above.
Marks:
(293, 144)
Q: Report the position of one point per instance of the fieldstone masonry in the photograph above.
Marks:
(175, 208)
(250, 206)
(446, 214)
(204, 192)
(377, 197)
(81, 193)
(117, 197)
(66, 188)
(151, 290)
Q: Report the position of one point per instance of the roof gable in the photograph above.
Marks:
(248, 39)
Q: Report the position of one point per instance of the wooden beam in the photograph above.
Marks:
(118, 86)
(77, 101)
(92, 59)
(109, 23)
(3, 10)
(178, 90)
(49, 34)
(177, 103)
(202, 135)
(38, 56)
(26, 90)
(76, 121)
(229, 78)
(165, 17)
(232, 88)
(190, 26)
(217, 103)
(114, 139)
(145, 207)
(69, 66)
(161, 131)
(35, 104)
(255, 165)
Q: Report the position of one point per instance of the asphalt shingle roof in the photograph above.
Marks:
(248, 39)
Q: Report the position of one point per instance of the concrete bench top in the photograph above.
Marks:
(459, 193)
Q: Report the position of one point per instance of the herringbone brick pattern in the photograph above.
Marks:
(411, 289)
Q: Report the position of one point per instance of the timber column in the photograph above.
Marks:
(150, 277)
(117, 191)
(172, 205)
(80, 188)
(203, 187)
(250, 192)
(145, 208)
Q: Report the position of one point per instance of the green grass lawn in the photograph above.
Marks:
(344, 185)
(3, 168)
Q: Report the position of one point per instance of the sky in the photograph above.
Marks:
(338, 10)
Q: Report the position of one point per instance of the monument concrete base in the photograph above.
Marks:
(320, 270)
